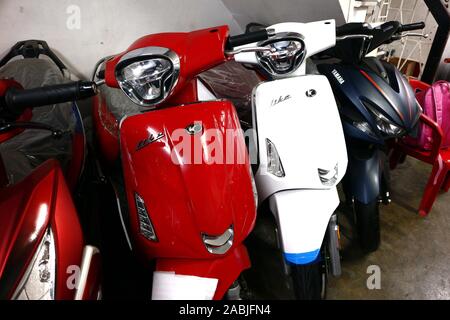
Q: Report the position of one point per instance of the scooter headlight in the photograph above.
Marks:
(38, 282)
(364, 127)
(148, 75)
(287, 54)
(274, 165)
(384, 124)
(389, 129)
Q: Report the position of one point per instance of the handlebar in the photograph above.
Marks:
(369, 38)
(411, 26)
(351, 28)
(17, 100)
(247, 38)
(389, 28)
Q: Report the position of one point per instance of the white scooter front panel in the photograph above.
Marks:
(300, 118)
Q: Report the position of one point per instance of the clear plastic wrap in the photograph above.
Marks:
(233, 82)
(29, 149)
(229, 81)
(119, 104)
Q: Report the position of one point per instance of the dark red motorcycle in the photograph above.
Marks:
(43, 252)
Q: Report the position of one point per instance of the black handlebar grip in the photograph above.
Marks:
(411, 26)
(17, 100)
(246, 38)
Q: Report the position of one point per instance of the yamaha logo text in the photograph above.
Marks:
(338, 76)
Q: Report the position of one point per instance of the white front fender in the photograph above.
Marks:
(303, 217)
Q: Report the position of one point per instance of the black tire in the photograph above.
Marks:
(368, 225)
(309, 281)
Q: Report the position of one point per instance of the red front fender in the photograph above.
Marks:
(226, 269)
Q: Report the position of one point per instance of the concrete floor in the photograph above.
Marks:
(414, 256)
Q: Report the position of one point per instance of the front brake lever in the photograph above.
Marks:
(8, 126)
(425, 36)
(404, 35)
(249, 49)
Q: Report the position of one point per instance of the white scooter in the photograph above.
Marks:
(300, 148)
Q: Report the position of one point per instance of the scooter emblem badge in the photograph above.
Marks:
(280, 99)
(194, 128)
(151, 138)
(311, 93)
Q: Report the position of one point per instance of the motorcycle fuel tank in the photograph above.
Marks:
(188, 180)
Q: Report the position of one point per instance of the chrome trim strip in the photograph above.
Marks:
(88, 253)
(354, 36)
(219, 244)
(122, 221)
(329, 177)
(97, 66)
(248, 49)
(220, 240)
(220, 250)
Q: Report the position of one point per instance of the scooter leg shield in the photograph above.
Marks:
(303, 217)
(201, 279)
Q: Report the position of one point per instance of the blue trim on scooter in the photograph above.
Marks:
(302, 258)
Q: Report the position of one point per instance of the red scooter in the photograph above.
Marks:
(190, 198)
(43, 254)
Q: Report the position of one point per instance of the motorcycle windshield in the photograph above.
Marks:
(23, 153)
(188, 168)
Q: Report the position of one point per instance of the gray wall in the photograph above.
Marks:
(274, 11)
(110, 26)
(107, 26)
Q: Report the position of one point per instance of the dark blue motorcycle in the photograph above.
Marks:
(376, 104)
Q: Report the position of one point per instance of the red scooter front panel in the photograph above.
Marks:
(178, 161)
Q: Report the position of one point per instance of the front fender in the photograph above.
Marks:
(198, 279)
(363, 177)
(303, 217)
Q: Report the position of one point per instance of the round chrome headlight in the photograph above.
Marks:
(148, 75)
(287, 54)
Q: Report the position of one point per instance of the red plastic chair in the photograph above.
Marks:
(439, 158)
